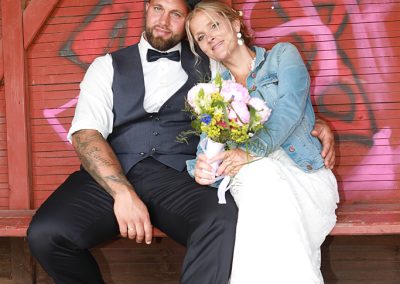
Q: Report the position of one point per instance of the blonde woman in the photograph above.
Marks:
(286, 197)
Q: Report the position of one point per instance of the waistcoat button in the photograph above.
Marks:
(292, 149)
(155, 133)
(309, 167)
(153, 149)
(253, 75)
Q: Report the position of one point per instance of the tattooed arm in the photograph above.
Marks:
(100, 161)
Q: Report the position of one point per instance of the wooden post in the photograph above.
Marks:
(15, 85)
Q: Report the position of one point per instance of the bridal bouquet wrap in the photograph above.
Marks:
(226, 113)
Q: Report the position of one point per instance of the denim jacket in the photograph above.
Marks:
(281, 79)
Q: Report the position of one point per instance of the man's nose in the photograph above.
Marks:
(164, 19)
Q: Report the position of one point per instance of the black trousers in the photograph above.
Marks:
(79, 215)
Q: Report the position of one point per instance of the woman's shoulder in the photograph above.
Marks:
(283, 46)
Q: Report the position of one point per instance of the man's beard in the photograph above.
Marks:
(160, 43)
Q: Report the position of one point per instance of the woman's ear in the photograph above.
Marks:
(236, 25)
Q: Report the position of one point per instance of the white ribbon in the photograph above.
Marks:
(210, 149)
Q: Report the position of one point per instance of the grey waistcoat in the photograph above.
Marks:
(138, 134)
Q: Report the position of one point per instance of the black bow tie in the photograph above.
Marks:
(154, 55)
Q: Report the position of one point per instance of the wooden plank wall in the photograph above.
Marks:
(351, 47)
(353, 53)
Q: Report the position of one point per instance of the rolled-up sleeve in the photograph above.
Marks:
(94, 109)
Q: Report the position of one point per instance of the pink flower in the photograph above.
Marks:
(237, 92)
(239, 112)
(261, 107)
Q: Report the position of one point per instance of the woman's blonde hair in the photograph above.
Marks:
(214, 6)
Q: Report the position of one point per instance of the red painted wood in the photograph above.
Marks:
(16, 105)
(35, 15)
(14, 223)
(1, 59)
(356, 218)
(364, 218)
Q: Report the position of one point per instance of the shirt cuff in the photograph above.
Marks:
(87, 125)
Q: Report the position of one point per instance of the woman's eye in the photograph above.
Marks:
(200, 38)
(214, 25)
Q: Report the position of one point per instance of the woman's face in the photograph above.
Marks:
(214, 34)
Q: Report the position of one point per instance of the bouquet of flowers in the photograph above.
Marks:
(226, 113)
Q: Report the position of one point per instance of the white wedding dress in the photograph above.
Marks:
(284, 216)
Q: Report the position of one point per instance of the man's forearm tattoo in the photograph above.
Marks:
(93, 159)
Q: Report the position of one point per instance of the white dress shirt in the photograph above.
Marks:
(162, 78)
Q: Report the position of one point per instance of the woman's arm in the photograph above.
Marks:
(292, 93)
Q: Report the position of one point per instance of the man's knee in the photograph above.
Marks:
(222, 216)
(40, 237)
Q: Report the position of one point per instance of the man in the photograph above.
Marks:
(127, 119)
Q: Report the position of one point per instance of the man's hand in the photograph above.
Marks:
(132, 216)
(323, 132)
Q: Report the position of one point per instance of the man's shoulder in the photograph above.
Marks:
(126, 50)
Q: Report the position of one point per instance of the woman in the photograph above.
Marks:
(286, 198)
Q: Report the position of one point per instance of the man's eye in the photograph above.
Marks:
(176, 15)
(157, 9)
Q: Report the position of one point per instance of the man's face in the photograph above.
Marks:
(165, 23)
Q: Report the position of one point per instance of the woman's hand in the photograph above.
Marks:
(232, 161)
(203, 171)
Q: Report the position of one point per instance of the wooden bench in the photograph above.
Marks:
(367, 217)
(377, 217)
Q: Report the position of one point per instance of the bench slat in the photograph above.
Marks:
(14, 223)
(367, 217)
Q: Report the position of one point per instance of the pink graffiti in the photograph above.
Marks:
(369, 34)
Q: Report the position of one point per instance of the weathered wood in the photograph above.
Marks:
(14, 223)
(380, 217)
(18, 145)
(367, 218)
(21, 262)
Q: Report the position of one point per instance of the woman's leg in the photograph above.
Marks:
(279, 230)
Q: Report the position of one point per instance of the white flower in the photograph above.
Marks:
(261, 107)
